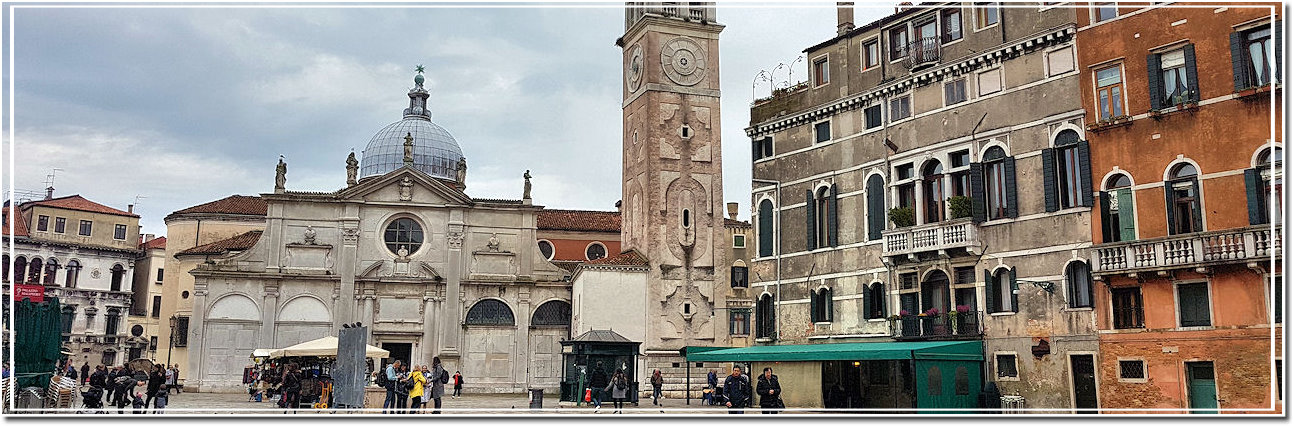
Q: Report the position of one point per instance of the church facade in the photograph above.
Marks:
(402, 249)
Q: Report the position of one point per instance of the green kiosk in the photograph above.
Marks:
(882, 377)
(586, 353)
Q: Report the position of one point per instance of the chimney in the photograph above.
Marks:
(732, 211)
(903, 6)
(49, 192)
(130, 208)
(619, 208)
(844, 17)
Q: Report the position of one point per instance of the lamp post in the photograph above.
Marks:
(170, 344)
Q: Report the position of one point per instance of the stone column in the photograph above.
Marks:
(270, 313)
(366, 297)
(522, 338)
(347, 264)
(196, 332)
(454, 265)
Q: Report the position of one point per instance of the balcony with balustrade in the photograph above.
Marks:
(940, 237)
(1253, 245)
(922, 52)
(939, 326)
(698, 12)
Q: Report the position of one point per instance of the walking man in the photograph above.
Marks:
(176, 368)
(389, 384)
(598, 381)
(770, 392)
(657, 382)
(737, 389)
(170, 379)
(85, 372)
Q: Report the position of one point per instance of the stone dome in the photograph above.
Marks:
(435, 151)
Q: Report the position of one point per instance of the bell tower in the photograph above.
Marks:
(672, 174)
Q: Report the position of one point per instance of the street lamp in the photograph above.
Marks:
(170, 345)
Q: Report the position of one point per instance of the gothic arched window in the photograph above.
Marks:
(490, 312)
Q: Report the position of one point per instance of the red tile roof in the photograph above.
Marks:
(77, 202)
(579, 220)
(628, 258)
(233, 204)
(156, 243)
(19, 226)
(240, 242)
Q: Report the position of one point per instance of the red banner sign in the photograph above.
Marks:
(34, 292)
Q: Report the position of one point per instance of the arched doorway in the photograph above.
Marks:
(934, 292)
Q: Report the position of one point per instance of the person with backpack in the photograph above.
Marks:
(736, 388)
(458, 384)
(657, 382)
(402, 388)
(597, 381)
(711, 385)
(123, 390)
(619, 389)
(291, 388)
(386, 379)
(419, 385)
(159, 400)
(438, 379)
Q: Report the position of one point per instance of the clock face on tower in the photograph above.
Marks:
(683, 61)
(634, 74)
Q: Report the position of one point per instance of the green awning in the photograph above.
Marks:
(966, 350)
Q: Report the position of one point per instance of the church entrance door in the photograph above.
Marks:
(399, 352)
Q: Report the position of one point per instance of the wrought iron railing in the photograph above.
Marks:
(945, 325)
(1130, 317)
(922, 51)
(1180, 251)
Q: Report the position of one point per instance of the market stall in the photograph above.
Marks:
(315, 360)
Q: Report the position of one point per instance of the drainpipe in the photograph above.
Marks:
(777, 219)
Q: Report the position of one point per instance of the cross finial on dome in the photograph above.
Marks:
(418, 68)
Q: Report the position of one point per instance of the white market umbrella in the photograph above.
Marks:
(324, 346)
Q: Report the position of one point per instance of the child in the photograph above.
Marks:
(159, 400)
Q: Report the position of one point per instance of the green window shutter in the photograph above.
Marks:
(1192, 76)
(1127, 224)
(1015, 288)
(1199, 201)
(813, 306)
(1085, 173)
(1049, 179)
(765, 228)
(810, 228)
(833, 219)
(875, 207)
(830, 307)
(1107, 219)
(868, 307)
(1012, 204)
(756, 149)
(1276, 36)
(1254, 193)
(988, 292)
(1239, 63)
(1168, 202)
(979, 211)
(1155, 80)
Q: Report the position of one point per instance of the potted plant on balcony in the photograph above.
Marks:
(903, 217)
(930, 322)
(963, 320)
(959, 206)
(909, 325)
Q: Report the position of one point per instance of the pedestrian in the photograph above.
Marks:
(736, 388)
(292, 387)
(85, 372)
(657, 382)
(458, 384)
(387, 380)
(124, 390)
(159, 401)
(402, 388)
(170, 378)
(99, 380)
(711, 382)
(770, 392)
(619, 389)
(437, 377)
(176, 384)
(71, 372)
(112, 384)
(155, 382)
(597, 381)
(419, 385)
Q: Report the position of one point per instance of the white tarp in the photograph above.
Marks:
(325, 346)
(261, 353)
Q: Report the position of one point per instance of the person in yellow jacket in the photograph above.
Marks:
(419, 382)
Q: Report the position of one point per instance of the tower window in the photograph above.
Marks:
(687, 219)
(686, 132)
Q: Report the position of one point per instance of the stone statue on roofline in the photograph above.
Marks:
(352, 168)
(280, 175)
(525, 195)
(460, 172)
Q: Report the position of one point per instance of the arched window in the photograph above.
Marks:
(118, 275)
(934, 293)
(932, 176)
(1000, 295)
(765, 228)
(875, 301)
(546, 249)
(961, 381)
(73, 272)
(552, 313)
(51, 270)
(111, 321)
(1263, 183)
(764, 326)
(69, 315)
(995, 182)
(822, 211)
(490, 312)
(1080, 285)
(1066, 172)
(1117, 223)
(934, 382)
(33, 271)
(740, 276)
(875, 207)
(20, 270)
(820, 306)
(403, 233)
(820, 217)
(1182, 193)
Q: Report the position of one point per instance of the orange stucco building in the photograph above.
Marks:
(1184, 121)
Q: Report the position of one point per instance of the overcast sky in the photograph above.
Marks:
(181, 106)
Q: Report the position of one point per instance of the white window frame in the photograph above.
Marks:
(1092, 8)
(1145, 370)
(1096, 90)
(975, 19)
(863, 112)
(1015, 358)
(965, 88)
(889, 106)
(1177, 306)
(606, 252)
(862, 53)
(1001, 87)
(907, 29)
(550, 244)
(1046, 61)
(826, 70)
(961, 11)
(831, 136)
(743, 241)
(124, 234)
